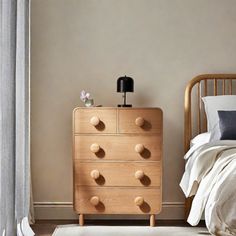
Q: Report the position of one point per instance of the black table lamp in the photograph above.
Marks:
(125, 84)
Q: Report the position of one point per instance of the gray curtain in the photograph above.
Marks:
(14, 118)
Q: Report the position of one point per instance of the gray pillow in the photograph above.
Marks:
(215, 103)
(227, 123)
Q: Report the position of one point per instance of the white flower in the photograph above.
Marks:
(84, 96)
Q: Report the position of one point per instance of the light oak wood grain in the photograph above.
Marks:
(82, 120)
(117, 200)
(118, 173)
(117, 156)
(117, 147)
(127, 121)
(81, 219)
(139, 201)
(152, 220)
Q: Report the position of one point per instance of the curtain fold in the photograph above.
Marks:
(22, 110)
(14, 118)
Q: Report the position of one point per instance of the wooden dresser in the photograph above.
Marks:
(117, 161)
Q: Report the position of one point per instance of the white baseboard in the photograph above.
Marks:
(64, 211)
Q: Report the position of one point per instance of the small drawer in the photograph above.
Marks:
(89, 200)
(116, 147)
(145, 174)
(140, 120)
(95, 120)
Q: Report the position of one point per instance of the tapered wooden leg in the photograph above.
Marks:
(81, 219)
(152, 220)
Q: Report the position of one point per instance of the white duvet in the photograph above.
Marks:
(210, 175)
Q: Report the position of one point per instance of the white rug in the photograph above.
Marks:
(75, 230)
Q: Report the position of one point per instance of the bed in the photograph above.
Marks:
(209, 180)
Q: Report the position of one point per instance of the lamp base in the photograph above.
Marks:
(124, 105)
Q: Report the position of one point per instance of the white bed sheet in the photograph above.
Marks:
(201, 139)
(207, 166)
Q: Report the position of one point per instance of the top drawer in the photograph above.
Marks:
(95, 120)
(140, 120)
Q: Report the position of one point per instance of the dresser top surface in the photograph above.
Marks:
(118, 108)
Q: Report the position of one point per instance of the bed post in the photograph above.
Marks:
(187, 135)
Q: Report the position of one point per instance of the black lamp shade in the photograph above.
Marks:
(125, 84)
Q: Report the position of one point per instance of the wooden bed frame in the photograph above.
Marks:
(194, 114)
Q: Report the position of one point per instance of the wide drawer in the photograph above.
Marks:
(140, 120)
(119, 147)
(118, 173)
(95, 120)
(89, 200)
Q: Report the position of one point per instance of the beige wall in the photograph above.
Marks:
(88, 44)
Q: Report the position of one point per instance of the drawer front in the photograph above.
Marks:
(89, 200)
(92, 147)
(140, 121)
(145, 174)
(95, 120)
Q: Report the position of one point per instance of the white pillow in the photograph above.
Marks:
(201, 139)
(214, 104)
(215, 133)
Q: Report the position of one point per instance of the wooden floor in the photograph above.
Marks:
(46, 227)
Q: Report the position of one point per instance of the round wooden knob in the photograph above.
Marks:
(138, 201)
(139, 121)
(139, 174)
(95, 174)
(94, 148)
(94, 121)
(139, 148)
(94, 200)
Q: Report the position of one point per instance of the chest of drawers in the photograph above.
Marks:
(117, 161)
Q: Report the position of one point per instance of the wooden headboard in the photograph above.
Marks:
(195, 118)
(201, 86)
